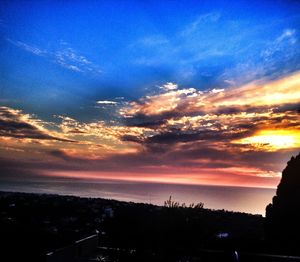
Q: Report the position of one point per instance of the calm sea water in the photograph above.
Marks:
(242, 199)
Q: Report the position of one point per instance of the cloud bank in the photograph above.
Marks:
(234, 136)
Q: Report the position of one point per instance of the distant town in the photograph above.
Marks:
(36, 225)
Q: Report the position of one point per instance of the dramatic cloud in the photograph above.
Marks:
(255, 114)
(239, 135)
(13, 123)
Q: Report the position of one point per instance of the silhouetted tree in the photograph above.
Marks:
(282, 225)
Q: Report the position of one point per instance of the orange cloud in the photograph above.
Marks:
(177, 135)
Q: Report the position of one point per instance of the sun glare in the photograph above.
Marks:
(273, 139)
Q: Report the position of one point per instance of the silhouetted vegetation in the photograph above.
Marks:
(173, 204)
(283, 215)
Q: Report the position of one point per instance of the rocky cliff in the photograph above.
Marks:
(283, 215)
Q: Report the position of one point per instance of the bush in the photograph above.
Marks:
(174, 204)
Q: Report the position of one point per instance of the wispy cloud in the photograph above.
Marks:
(69, 58)
(200, 21)
(64, 56)
(232, 50)
(168, 49)
(106, 102)
(29, 48)
(276, 58)
(283, 43)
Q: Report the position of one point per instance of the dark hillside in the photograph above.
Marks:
(32, 225)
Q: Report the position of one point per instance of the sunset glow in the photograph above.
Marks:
(273, 139)
(126, 92)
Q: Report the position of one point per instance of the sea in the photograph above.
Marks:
(231, 198)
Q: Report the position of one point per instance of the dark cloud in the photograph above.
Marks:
(151, 121)
(231, 110)
(63, 155)
(179, 136)
(287, 107)
(60, 154)
(13, 125)
(200, 150)
(131, 138)
(174, 137)
(158, 119)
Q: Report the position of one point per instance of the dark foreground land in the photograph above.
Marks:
(31, 225)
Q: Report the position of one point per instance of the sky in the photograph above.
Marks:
(192, 92)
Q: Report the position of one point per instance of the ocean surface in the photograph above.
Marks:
(242, 199)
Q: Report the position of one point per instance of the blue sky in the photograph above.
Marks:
(60, 57)
(197, 92)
